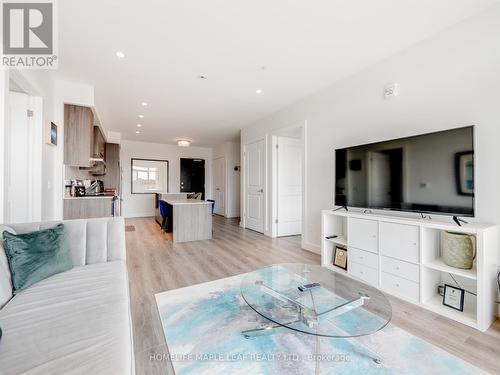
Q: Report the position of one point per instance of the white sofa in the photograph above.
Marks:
(75, 322)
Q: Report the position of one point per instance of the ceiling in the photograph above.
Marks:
(286, 48)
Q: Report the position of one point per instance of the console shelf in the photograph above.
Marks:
(467, 317)
(402, 256)
(439, 265)
(336, 269)
(340, 240)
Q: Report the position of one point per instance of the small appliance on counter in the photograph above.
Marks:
(95, 187)
(79, 188)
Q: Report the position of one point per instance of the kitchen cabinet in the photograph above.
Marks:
(87, 208)
(363, 234)
(78, 135)
(112, 179)
(400, 241)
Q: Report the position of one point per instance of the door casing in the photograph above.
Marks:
(220, 186)
(255, 190)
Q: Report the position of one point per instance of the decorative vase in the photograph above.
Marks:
(458, 249)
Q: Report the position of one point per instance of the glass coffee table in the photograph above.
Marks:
(339, 307)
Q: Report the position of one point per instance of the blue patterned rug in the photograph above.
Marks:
(203, 324)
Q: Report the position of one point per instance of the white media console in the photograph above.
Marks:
(401, 256)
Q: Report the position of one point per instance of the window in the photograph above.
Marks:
(149, 176)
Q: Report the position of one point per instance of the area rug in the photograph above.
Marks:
(202, 325)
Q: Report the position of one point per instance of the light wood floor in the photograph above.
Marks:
(156, 265)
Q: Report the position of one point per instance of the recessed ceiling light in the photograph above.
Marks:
(141, 116)
(137, 132)
(144, 104)
(258, 91)
(183, 143)
(120, 54)
(139, 125)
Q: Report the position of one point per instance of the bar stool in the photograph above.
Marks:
(164, 214)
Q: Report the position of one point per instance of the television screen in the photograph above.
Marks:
(429, 173)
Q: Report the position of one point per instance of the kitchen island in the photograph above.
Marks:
(190, 219)
(164, 197)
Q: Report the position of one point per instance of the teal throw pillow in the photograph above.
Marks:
(36, 255)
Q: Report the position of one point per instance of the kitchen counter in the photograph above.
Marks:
(175, 202)
(91, 197)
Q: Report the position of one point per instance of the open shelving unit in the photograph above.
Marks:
(333, 226)
(467, 317)
(377, 242)
(439, 265)
(432, 278)
(340, 240)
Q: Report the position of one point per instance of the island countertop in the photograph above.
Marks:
(175, 202)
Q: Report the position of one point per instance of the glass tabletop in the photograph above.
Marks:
(339, 307)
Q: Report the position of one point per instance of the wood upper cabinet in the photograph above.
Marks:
(99, 144)
(78, 135)
(112, 179)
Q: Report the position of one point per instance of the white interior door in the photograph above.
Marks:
(379, 179)
(254, 186)
(220, 185)
(18, 160)
(289, 176)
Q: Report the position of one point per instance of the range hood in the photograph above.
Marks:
(98, 167)
(98, 164)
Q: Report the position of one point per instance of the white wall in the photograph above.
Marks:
(140, 205)
(53, 94)
(231, 152)
(40, 84)
(449, 80)
(4, 87)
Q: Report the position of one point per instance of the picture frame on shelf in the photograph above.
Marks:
(340, 257)
(453, 297)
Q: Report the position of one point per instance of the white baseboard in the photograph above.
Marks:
(311, 247)
(143, 214)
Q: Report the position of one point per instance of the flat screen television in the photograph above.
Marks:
(428, 173)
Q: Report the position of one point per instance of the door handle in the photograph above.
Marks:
(217, 189)
(260, 191)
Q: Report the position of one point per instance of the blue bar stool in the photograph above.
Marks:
(213, 205)
(164, 214)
